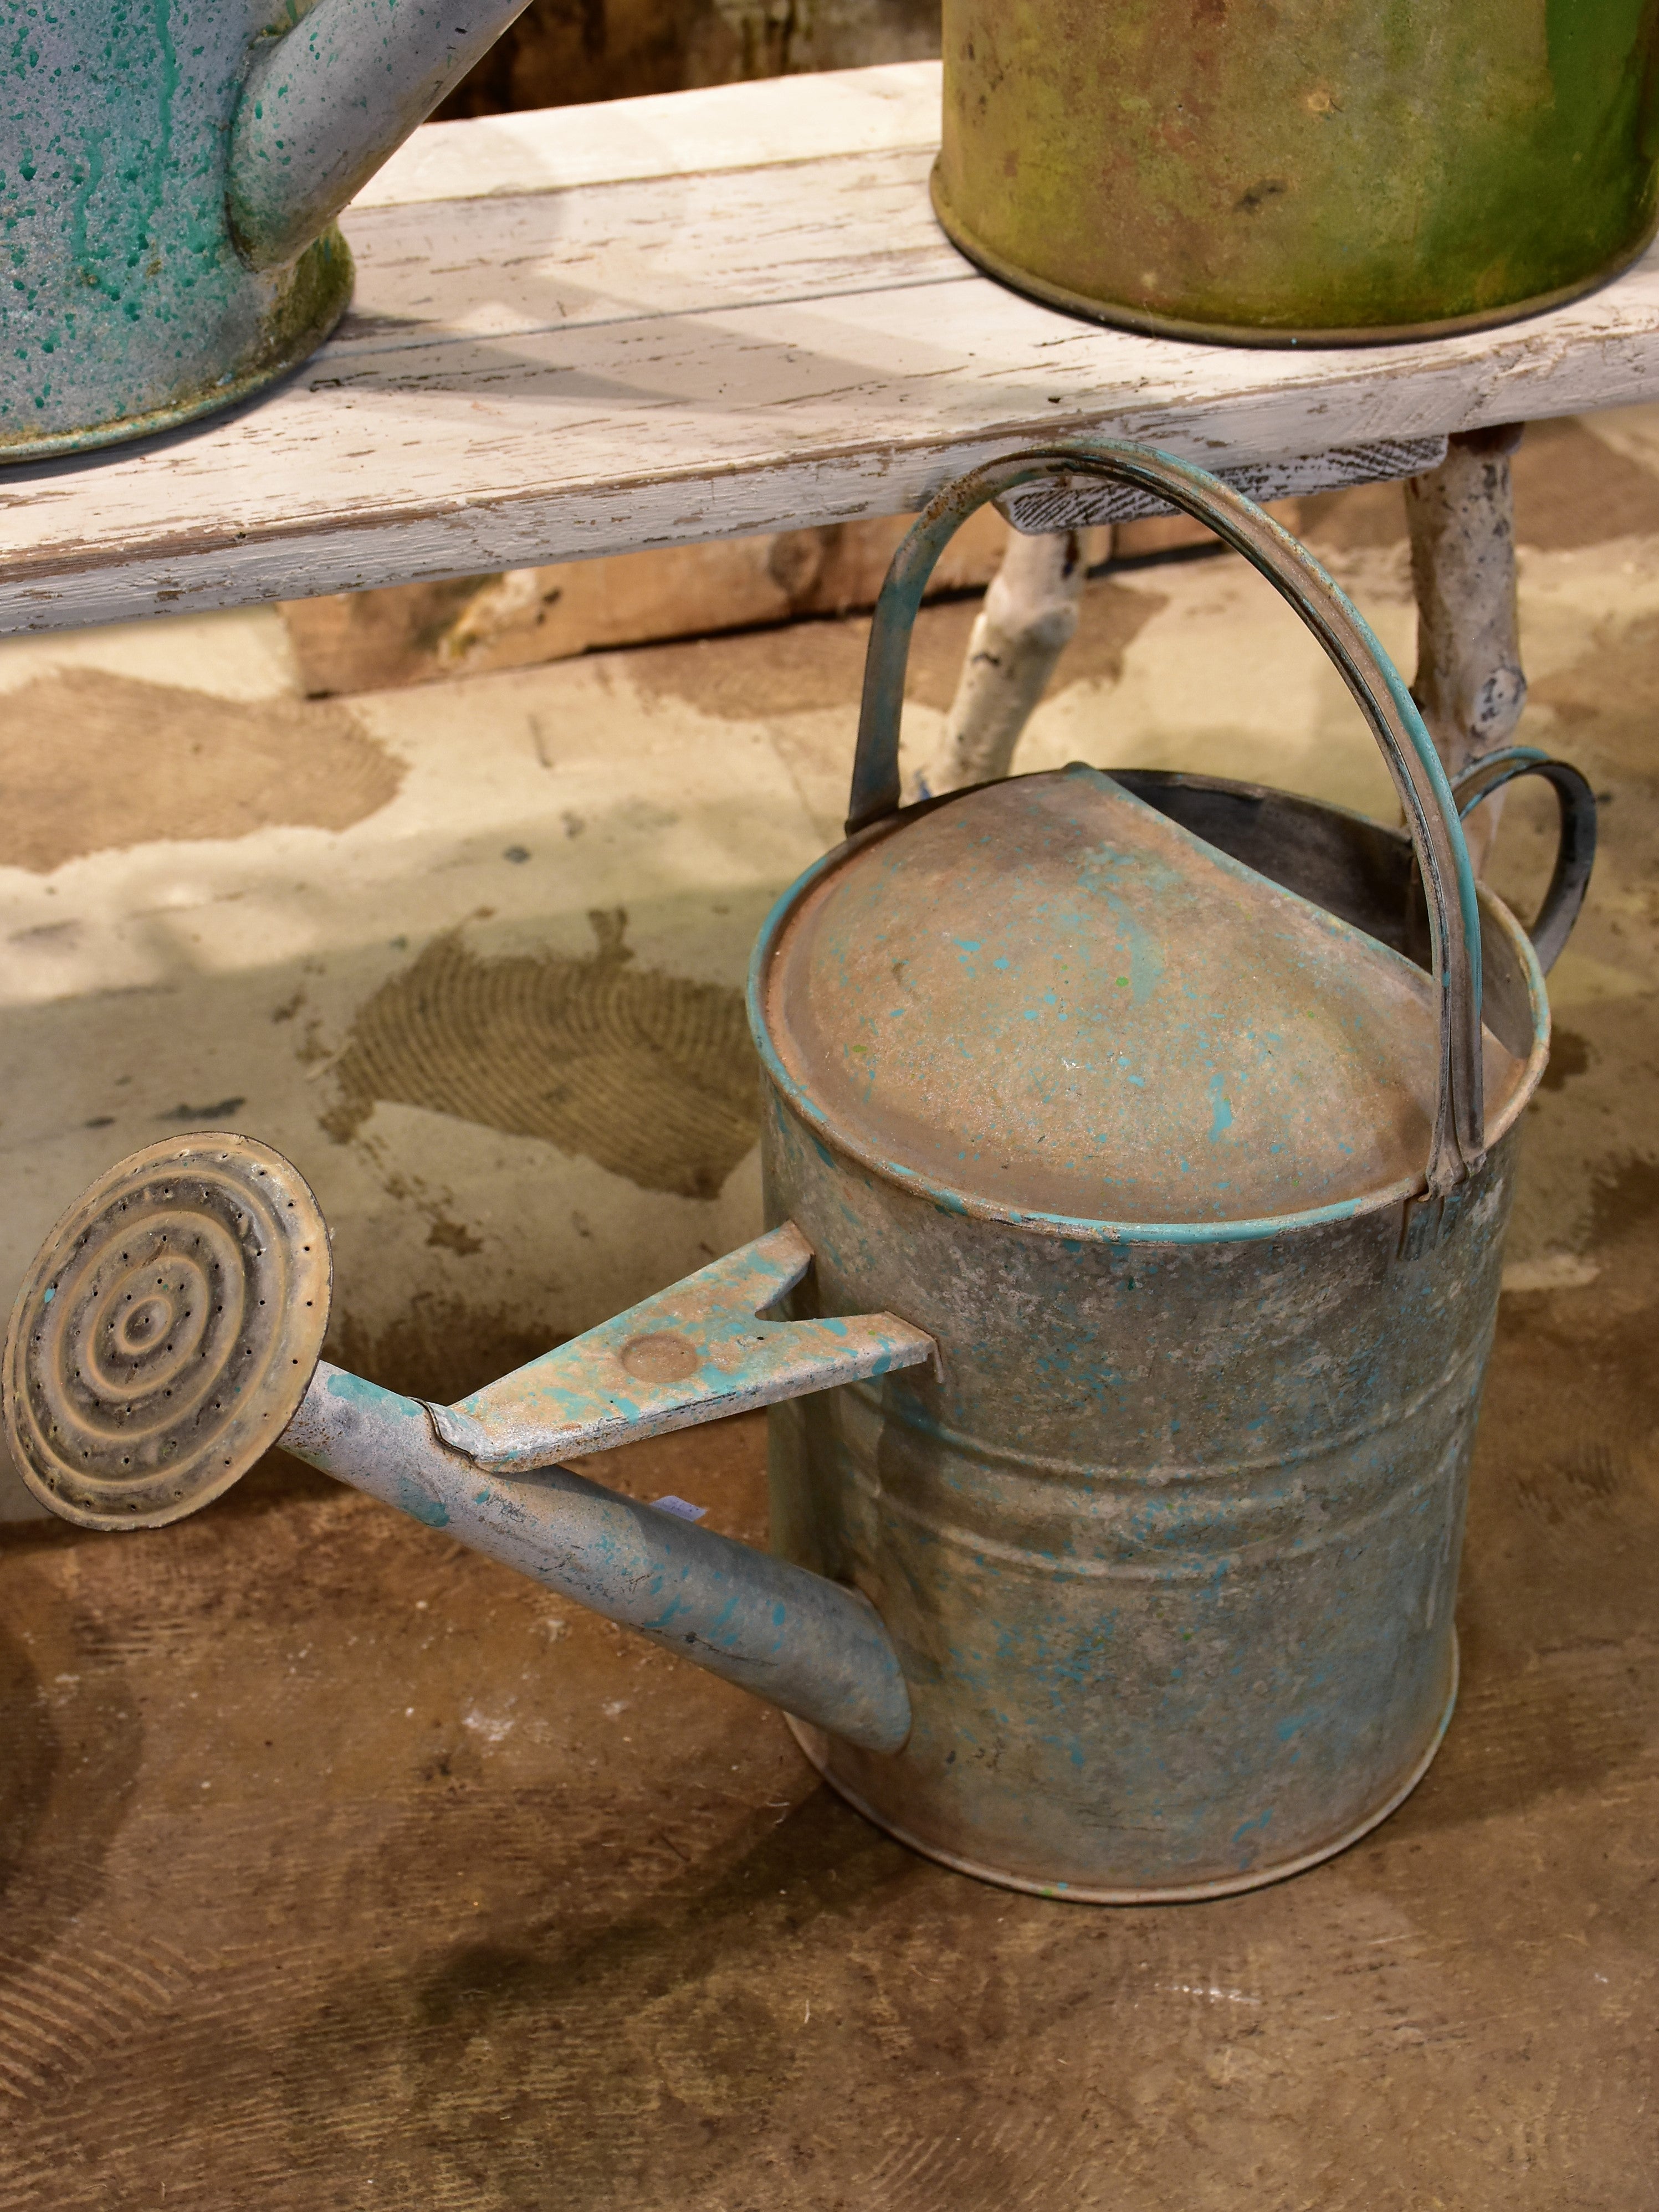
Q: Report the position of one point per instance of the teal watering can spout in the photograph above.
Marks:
(326, 102)
(168, 1333)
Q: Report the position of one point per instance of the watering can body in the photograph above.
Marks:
(169, 176)
(1265, 172)
(1167, 1536)
(1138, 1158)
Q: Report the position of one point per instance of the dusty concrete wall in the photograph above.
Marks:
(471, 625)
(561, 51)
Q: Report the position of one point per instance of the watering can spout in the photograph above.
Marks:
(812, 1647)
(486, 1472)
(169, 1332)
(325, 103)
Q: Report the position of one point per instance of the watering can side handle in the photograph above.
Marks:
(1458, 1146)
(323, 107)
(694, 1352)
(1575, 855)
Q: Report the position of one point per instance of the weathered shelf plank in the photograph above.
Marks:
(690, 317)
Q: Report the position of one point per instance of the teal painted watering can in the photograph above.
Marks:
(1138, 1150)
(169, 175)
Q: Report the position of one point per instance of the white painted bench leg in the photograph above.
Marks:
(1469, 683)
(1029, 613)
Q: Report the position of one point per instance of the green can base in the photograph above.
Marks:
(1120, 317)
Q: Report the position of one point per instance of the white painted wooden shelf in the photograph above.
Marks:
(593, 330)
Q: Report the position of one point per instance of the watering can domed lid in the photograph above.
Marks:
(1045, 997)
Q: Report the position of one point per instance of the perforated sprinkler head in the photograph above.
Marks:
(166, 1331)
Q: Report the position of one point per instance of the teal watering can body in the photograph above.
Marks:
(170, 174)
(1138, 1150)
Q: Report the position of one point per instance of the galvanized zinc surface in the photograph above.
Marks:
(1167, 1547)
(1048, 996)
(127, 306)
(131, 306)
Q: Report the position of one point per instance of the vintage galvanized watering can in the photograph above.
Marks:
(169, 174)
(1139, 1163)
(1265, 172)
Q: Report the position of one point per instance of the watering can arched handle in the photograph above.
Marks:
(1430, 811)
(1575, 853)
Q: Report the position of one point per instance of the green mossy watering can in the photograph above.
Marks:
(1138, 1148)
(1276, 172)
(169, 174)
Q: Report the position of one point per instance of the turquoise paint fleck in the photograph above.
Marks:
(1221, 1117)
(422, 1506)
(372, 1399)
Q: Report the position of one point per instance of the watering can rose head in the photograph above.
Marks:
(1139, 1149)
(168, 190)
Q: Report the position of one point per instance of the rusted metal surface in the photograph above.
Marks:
(1332, 171)
(135, 303)
(1371, 678)
(1365, 873)
(1169, 1544)
(1575, 855)
(1168, 1553)
(1049, 1002)
(166, 1331)
(691, 1353)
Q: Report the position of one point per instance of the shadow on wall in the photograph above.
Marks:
(562, 51)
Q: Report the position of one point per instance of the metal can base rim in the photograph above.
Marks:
(1245, 334)
(815, 1745)
(126, 430)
